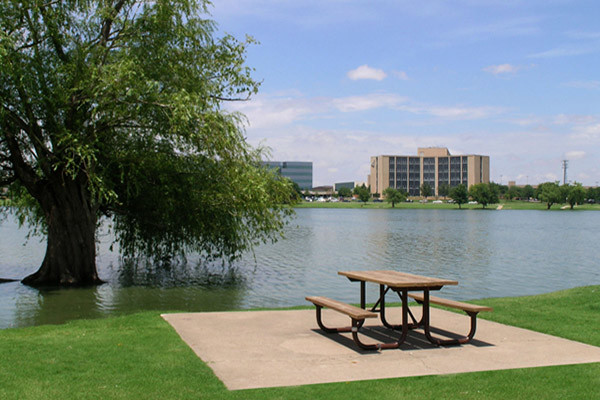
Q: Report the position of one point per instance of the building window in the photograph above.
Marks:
(414, 176)
(455, 178)
(443, 171)
(429, 171)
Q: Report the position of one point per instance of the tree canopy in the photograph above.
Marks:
(362, 192)
(593, 194)
(575, 195)
(426, 190)
(459, 194)
(394, 196)
(345, 192)
(443, 189)
(484, 193)
(527, 192)
(512, 192)
(550, 193)
(115, 108)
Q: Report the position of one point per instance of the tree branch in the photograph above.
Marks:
(7, 181)
(22, 170)
(220, 98)
(34, 43)
(107, 24)
(52, 33)
(32, 130)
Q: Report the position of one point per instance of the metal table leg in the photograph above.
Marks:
(445, 342)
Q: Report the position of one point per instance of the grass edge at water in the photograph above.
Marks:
(141, 356)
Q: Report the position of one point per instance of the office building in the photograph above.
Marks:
(350, 185)
(300, 172)
(432, 165)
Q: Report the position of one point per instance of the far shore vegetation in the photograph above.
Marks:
(430, 205)
(140, 356)
(546, 196)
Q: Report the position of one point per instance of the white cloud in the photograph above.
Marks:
(575, 154)
(400, 75)
(565, 51)
(400, 103)
(526, 121)
(573, 119)
(453, 112)
(520, 26)
(366, 72)
(587, 133)
(265, 111)
(464, 112)
(502, 69)
(367, 102)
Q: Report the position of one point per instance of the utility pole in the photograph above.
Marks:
(565, 163)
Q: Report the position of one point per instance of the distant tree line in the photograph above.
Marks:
(487, 193)
(554, 193)
(549, 192)
(482, 193)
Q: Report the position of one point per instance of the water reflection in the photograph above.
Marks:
(178, 272)
(491, 253)
(37, 307)
(139, 290)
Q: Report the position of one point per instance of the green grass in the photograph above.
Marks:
(573, 314)
(141, 357)
(506, 205)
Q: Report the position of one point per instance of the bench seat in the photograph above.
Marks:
(469, 308)
(357, 314)
(344, 308)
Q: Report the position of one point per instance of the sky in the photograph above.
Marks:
(344, 80)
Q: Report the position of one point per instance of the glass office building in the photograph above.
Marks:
(300, 172)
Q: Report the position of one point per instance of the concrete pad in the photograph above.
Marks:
(257, 349)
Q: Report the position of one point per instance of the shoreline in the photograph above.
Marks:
(32, 356)
(506, 205)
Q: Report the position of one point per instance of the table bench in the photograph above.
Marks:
(357, 314)
(471, 309)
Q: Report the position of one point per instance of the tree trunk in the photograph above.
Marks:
(70, 258)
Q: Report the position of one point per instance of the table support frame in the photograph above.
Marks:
(405, 326)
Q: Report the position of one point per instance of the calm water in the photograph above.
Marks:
(491, 254)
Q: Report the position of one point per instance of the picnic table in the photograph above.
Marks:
(401, 283)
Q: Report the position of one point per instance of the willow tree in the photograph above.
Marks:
(114, 107)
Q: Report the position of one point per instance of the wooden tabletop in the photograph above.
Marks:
(396, 279)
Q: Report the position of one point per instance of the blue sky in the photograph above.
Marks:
(344, 80)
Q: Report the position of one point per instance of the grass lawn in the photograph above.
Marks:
(141, 357)
(506, 205)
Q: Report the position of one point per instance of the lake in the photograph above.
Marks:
(490, 253)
